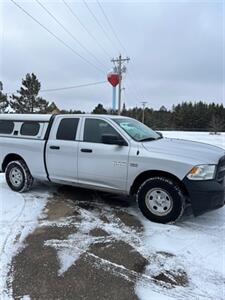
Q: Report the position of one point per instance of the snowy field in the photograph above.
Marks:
(194, 246)
(203, 137)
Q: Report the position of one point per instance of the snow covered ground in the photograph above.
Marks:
(203, 137)
(18, 217)
(194, 246)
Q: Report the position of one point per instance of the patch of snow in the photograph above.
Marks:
(203, 137)
(198, 250)
(19, 215)
(145, 293)
(26, 297)
(70, 250)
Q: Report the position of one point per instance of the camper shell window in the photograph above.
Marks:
(6, 127)
(30, 128)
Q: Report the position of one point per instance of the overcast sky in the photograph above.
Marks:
(176, 50)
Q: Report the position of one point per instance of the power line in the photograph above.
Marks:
(97, 21)
(86, 29)
(114, 32)
(133, 85)
(130, 88)
(73, 86)
(68, 32)
(56, 37)
(110, 25)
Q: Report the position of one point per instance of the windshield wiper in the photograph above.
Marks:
(147, 139)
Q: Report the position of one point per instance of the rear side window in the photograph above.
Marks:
(6, 127)
(30, 128)
(67, 129)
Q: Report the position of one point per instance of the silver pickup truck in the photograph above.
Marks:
(114, 154)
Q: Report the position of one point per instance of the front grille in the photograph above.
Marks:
(221, 169)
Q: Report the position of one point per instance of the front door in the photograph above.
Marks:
(101, 165)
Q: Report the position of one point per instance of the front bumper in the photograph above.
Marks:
(205, 195)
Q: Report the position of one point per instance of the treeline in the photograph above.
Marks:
(188, 116)
(197, 116)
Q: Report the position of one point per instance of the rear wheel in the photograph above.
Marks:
(18, 176)
(161, 200)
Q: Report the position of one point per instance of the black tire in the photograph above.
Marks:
(172, 195)
(25, 179)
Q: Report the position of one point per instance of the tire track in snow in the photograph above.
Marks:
(147, 281)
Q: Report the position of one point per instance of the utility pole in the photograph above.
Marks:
(123, 105)
(120, 69)
(143, 110)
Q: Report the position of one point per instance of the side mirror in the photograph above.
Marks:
(112, 139)
(159, 133)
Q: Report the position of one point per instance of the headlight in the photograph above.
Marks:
(203, 172)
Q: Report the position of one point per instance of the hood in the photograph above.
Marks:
(198, 153)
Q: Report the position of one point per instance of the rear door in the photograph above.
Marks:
(62, 149)
(101, 165)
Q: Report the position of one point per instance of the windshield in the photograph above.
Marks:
(137, 130)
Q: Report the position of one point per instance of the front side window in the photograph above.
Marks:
(67, 129)
(137, 130)
(95, 128)
(6, 127)
(30, 128)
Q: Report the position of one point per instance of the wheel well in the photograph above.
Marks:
(149, 174)
(10, 157)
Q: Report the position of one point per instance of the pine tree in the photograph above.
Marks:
(216, 124)
(52, 108)
(163, 108)
(4, 103)
(99, 109)
(28, 101)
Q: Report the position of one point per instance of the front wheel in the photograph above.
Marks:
(161, 200)
(18, 176)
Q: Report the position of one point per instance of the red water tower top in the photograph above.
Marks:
(113, 78)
